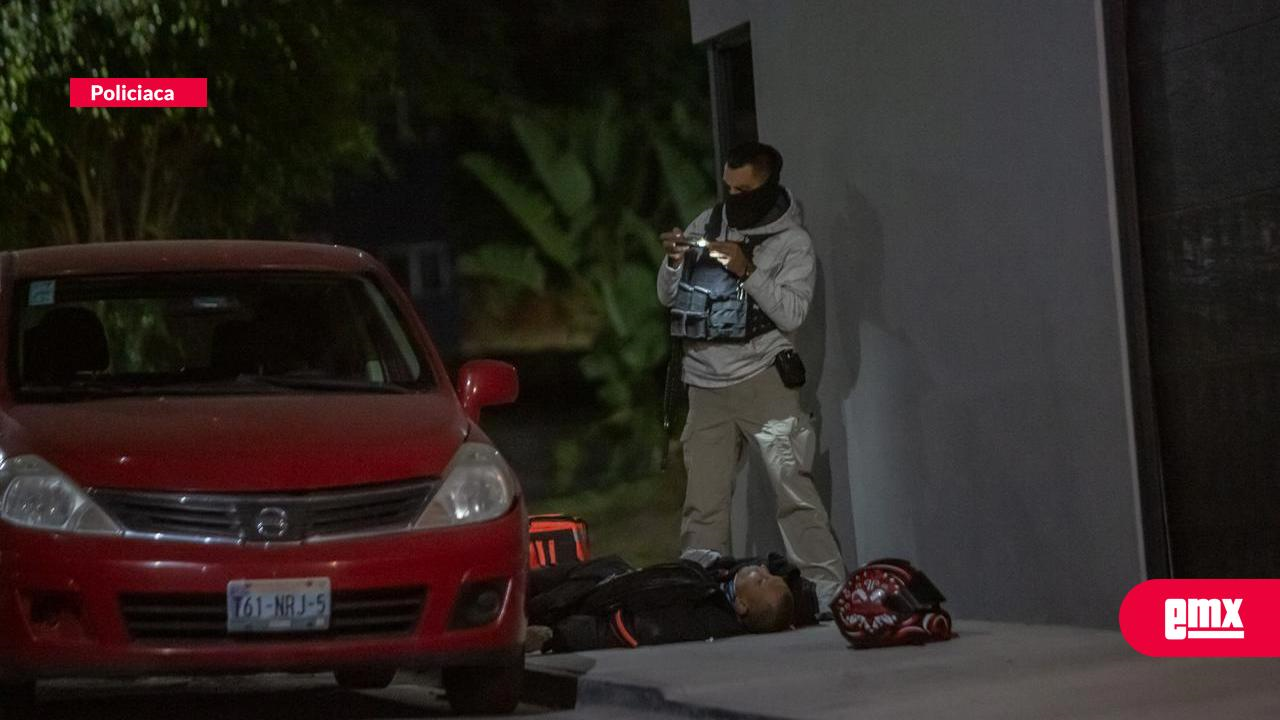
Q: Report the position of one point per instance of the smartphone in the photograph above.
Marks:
(693, 240)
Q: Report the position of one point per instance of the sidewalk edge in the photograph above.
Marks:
(606, 693)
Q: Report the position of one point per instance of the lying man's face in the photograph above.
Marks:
(763, 600)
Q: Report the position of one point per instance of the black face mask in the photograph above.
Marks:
(746, 209)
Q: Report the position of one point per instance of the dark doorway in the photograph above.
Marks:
(1204, 103)
(733, 90)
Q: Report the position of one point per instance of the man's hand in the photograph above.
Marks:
(731, 256)
(671, 244)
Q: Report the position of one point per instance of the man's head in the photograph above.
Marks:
(751, 172)
(762, 600)
(751, 165)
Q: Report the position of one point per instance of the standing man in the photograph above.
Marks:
(739, 281)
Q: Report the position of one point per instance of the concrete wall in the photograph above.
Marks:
(967, 339)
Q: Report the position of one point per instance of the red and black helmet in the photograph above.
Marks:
(890, 602)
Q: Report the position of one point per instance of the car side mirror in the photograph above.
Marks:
(482, 383)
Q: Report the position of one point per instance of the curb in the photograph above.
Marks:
(563, 682)
(610, 693)
(549, 689)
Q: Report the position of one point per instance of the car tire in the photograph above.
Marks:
(374, 678)
(484, 690)
(18, 701)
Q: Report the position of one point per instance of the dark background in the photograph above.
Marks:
(1205, 108)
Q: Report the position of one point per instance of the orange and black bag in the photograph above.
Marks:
(557, 540)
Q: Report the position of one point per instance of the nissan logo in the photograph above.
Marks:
(273, 522)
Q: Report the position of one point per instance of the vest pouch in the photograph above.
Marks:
(690, 312)
(728, 319)
(700, 314)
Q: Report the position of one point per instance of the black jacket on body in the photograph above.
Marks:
(606, 603)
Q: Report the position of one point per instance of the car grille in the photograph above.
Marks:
(203, 616)
(270, 517)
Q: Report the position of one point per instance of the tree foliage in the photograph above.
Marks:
(585, 125)
(595, 186)
(288, 89)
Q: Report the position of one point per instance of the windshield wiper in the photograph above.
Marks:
(329, 384)
(94, 389)
(99, 389)
(77, 389)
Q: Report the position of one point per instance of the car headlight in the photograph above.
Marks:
(35, 494)
(478, 486)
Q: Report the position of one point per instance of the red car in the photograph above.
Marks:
(245, 456)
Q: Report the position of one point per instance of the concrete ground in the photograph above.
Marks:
(414, 696)
(992, 670)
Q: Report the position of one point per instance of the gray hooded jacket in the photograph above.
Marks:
(782, 285)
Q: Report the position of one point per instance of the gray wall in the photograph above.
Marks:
(967, 338)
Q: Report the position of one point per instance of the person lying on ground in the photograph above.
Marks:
(807, 609)
(606, 603)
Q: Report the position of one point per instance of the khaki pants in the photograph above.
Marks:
(763, 413)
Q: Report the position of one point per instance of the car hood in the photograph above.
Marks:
(241, 443)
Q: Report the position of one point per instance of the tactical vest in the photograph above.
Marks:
(711, 303)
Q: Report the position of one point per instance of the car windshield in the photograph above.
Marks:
(210, 333)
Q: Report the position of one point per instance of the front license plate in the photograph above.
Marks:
(292, 605)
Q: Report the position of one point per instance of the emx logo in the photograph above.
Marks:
(1203, 618)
